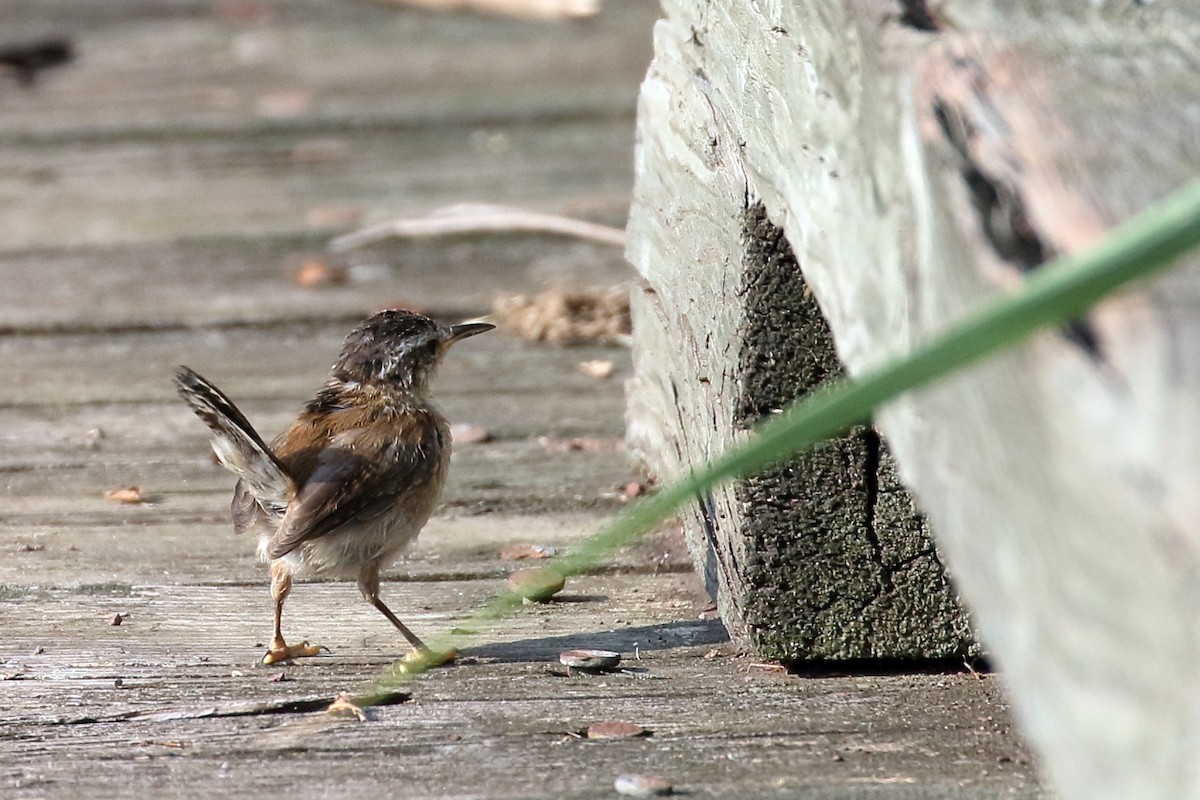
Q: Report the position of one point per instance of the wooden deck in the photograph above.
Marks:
(159, 194)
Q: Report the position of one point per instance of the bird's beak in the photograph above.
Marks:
(467, 329)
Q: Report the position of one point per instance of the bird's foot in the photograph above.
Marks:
(287, 652)
(421, 660)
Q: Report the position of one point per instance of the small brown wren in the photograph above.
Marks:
(354, 479)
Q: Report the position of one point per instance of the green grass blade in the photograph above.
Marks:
(1052, 295)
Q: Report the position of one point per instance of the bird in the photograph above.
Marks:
(351, 482)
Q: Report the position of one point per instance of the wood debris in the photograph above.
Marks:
(567, 318)
(586, 444)
(522, 552)
(466, 433)
(527, 9)
(633, 489)
(129, 495)
(468, 218)
(615, 730)
(343, 705)
(598, 368)
(232, 708)
(314, 274)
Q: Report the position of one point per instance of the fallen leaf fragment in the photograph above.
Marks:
(313, 274)
(633, 489)
(343, 705)
(129, 495)
(523, 552)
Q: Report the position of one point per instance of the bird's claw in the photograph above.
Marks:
(284, 652)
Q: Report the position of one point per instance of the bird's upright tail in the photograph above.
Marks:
(237, 445)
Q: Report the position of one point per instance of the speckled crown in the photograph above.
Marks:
(388, 346)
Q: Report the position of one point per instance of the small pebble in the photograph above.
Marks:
(643, 785)
(538, 585)
(589, 659)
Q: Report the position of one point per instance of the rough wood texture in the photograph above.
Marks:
(811, 564)
(920, 163)
(152, 216)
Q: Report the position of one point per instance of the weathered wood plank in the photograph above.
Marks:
(133, 190)
(241, 281)
(165, 69)
(191, 139)
(68, 441)
(503, 716)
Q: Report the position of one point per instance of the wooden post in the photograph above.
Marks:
(920, 161)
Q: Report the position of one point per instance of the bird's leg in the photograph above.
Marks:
(368, 584)
(281, 584)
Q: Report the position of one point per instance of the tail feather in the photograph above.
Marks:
(237, 445)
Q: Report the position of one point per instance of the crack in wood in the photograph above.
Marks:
(231, 708)
(870, 469)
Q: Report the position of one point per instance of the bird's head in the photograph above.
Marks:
(399, 349)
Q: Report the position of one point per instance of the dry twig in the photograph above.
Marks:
(479, 218)
(529, 9)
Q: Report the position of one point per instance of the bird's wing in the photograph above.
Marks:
(357, 477)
